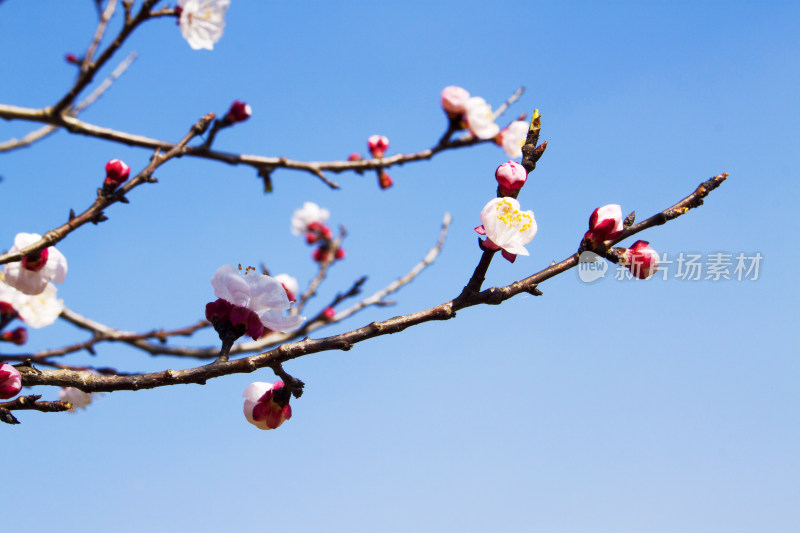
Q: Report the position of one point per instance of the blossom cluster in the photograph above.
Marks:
(309, 221)
(474, 114)
(606, 224)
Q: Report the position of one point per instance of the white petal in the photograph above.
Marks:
(276, 321)
(230, 286)
(266, 293)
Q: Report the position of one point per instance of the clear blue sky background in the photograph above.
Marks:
(657, 406)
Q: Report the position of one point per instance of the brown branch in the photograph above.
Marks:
(88, 382)
(73, 125)
(29, 403)
(89, 69)
(94, 213)
(98, 34)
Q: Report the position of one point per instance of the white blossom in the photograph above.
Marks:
(309, 213)
(33, 279)
(288, 282)
(202, 21)
(76, 397)
(507, 227)
(38, 310)
(261, 294)
(513, 138)
(480, 119)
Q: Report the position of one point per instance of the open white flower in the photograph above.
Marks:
(480, 119)
(513, 138)
(32, 273)
(263, 295)
(506, 227)
(308, 214)
(37, 311)
(202, 21)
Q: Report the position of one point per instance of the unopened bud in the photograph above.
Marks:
(641, 259)
(453, 100)
(377, 144)
(72, 59)
(18, 336)
(510, 178)
(10, 381)
(117, 172)
(239, 112)
(384, 180)
(328, 313)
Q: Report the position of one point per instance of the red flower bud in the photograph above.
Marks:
(10, 381)
(18, 336)
(328, 313)
(641, 259)
(605, 224)
(377, 144)
(117, 172)
(384, 181)
(239, 112)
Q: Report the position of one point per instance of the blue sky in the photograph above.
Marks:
(655, 406)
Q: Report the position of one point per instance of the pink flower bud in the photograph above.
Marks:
(510, 177)
(328, 313)
(641, 259)
(377, 144)
(72, 59)
(117, 172)
(339, 253)
(453, 100)
(384, 181)
(605, 224)
(17, 336)
(10, 381)
(266, 405)
(354, 157)
(239, 112)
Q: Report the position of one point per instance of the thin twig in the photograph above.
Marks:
(94, 213)
(44, 131)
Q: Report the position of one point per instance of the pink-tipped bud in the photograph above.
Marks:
(377, 144)
(266, 405)
(355, 157)
(239, 112)
(453, 100)
(18, 336)
(10, 381)
(328, 313)
(72, 59)
(641, 259)
(605, 224)
(117, 172)
(384, 180)
(510, 178)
